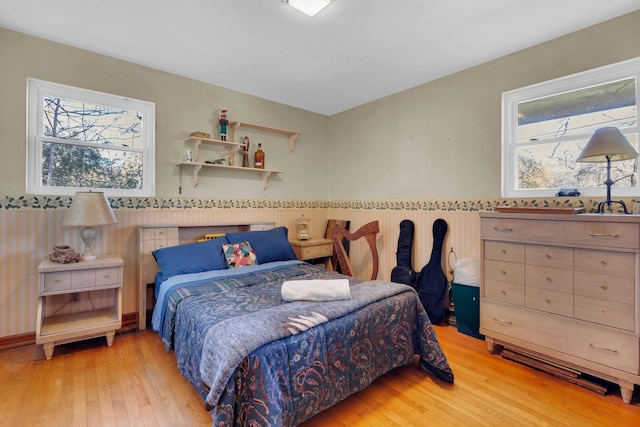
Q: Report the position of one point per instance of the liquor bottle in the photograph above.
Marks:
(258, 158)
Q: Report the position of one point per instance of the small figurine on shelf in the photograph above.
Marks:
(245, 152)
(223, 122)
(258, 158)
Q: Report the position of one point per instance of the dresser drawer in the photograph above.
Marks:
(504, 251)
(574, 338)
(504, 271)
(604, 262)
(553, 279)
(565, 233)
(504, 292)
(604, 287)
(610, 313)
(549, 256)
(549, 301)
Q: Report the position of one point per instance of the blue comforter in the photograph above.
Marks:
(258, 359)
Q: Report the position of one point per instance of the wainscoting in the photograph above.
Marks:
(31, 225)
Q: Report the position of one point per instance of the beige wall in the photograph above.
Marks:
(182, 106)
(442, 140)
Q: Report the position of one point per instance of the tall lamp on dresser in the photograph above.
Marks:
(608, 144)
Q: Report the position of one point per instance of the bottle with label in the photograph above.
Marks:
(258, 158)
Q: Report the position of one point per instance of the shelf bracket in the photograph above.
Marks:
(197, 149)
(265, 177)
(196, 171)
(292, 141)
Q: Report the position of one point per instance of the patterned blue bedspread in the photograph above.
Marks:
(257, 359)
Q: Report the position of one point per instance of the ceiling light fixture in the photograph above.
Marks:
(308, 7)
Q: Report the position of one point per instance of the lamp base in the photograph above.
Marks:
(88, 257)
(608, 203)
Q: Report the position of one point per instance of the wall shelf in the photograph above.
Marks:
(293, 135)
(232, 147)
(197, 141)
(197, 167)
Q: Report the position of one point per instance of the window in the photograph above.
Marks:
(79, 139)
(546, 126)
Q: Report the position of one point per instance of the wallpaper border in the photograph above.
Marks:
(466, 205)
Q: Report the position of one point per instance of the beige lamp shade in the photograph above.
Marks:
(89, 209)
(607, 143)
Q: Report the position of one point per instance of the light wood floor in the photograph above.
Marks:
(136, 383)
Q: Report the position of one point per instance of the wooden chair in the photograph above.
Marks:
(369, 231)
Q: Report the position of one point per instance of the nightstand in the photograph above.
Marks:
(78, 301)
(314, 249)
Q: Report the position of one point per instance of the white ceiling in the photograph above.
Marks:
(351, 53)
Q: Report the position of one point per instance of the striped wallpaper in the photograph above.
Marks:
(30, 226)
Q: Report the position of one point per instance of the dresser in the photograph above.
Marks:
(78, 301)
(564, 288)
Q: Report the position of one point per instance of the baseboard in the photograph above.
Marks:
(14, 341)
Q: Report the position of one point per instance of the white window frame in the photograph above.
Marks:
(511, 99)
(37, 90)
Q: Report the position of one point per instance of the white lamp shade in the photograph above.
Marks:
(89, 209)
(607, 142)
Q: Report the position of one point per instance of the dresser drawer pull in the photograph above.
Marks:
(503, 229)
(502, 321)
(603, 235)
(612, 350)
(604, 287)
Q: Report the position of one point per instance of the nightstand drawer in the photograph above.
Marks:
(57, 281)
(317, 251)
(108, 276)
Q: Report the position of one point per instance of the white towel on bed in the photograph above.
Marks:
(316, 290)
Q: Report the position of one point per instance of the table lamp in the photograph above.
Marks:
(608, 144)
(89, 209)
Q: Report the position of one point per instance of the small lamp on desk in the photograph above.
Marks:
(89, 209)
(607, 144)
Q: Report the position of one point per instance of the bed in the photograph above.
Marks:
(257, 359)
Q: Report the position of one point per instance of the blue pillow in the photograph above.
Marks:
(191, 258)
(269, 246)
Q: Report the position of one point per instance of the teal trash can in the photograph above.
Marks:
(466, 303)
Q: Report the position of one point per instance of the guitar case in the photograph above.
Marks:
(432, 282)
(403, 272)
